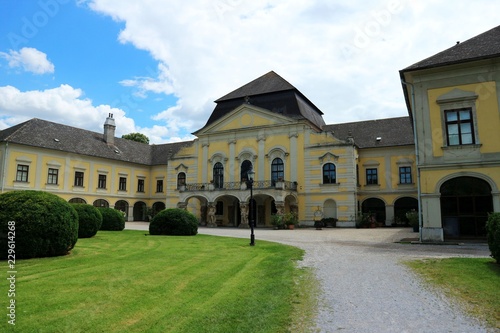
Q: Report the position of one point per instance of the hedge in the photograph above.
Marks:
(493, 232)
(174, 221)
(112, 219)
(89, 220)
(41, 224)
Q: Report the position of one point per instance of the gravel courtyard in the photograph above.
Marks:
(365, 288)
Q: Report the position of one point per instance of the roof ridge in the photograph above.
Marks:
(267, 83)
(474, 48)
(367, 121)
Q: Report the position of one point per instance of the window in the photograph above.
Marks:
(329, 174)
(159, 185)
(357, 175)
(140, 185)
(122, 186)
(218, 175)
(53, 175)
(277, 170)
(78, 178)
(459, 127)
(371, 177)
(102, 181)
(181, 179)
(22, 173)
(405, 175)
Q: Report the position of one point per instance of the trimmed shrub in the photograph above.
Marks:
(112, 219)
(44, 225)
(493, 231)
(174, 221)
(89, 220)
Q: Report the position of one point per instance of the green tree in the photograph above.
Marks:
(139, 137)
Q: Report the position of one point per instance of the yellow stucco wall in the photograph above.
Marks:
(487, 116)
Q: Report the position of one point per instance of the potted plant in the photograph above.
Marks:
(319, 224)
(291, 220)
(412, 217)
(329, 222)
(363, 220)
(277, 221)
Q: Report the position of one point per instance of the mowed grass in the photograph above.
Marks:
(474, 282)
(128, 282)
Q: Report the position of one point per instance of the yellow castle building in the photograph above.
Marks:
(267, 128)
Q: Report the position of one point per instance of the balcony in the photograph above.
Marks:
(231, 186)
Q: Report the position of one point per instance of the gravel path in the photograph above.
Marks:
(365, 288)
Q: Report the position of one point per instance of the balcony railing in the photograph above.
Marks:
(257, 185)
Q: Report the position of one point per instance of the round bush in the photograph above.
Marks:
(41, 224)
(112, 219)
(89, 220)
(493, 232)
(174, 221)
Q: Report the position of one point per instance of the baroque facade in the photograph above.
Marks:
(300, 163)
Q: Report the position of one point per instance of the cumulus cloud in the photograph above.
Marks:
(68, 105)
(344, 56)
(162, 84)
(30, 60)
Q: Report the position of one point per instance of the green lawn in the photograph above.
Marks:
(475, 283)
(128, 282)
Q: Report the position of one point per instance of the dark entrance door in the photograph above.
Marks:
(465, 204)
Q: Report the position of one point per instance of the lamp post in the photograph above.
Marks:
(250, 175)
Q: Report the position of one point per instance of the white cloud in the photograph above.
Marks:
(67, 105)
(342, 55)
(163, 84)
(30, 60)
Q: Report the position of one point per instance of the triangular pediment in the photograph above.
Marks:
(243, 117)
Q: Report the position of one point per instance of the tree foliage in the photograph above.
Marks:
(139, 137)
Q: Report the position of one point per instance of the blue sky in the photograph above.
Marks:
(159, 65)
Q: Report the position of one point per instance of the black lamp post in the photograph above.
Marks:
(250, 174)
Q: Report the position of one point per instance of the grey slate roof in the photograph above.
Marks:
(45, 134)
(269, 82)
(392, 131)
(271, 92)
(483, 46)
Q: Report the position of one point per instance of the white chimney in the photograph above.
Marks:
(109, 130)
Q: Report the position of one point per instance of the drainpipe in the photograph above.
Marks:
(4, 168)
(417, 162)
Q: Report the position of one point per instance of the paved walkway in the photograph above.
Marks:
(365, 288)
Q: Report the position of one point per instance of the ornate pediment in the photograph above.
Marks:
(328, 157)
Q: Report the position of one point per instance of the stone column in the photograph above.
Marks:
(130, 215)
(432, 230)
(244, 215)
(211, 215)
(389, 214)
(496, 201)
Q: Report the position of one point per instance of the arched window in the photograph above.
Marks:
(181, 179)
(329, 174)
(245, 167)
(218, 175)
(101, 203)
(77, 200)
(277, 170)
